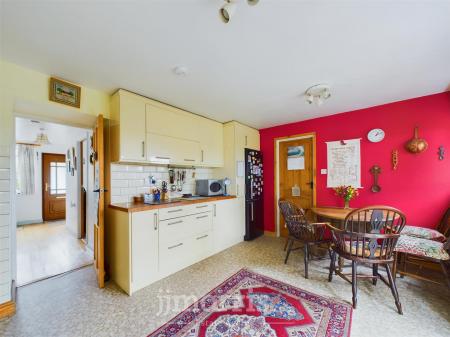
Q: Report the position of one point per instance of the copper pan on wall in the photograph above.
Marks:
(416, 145)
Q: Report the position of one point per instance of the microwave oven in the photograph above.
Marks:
(209, 187)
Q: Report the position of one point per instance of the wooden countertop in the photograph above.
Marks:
(139, 207)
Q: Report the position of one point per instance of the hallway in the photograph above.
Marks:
(48, 249)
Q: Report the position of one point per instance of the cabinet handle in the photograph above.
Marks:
(175, 246)
(174, 223)
(203, 206)
(246, 140)
(175, 210)
(202, 237)
(189, 159)
(202, 156)
(143, 149)
(237, 189)
(155, 219)
(201, 217)
(252, 209)
(215, 209)
(159, 157)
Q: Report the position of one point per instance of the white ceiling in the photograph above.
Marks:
(254, 69)
(61, 135)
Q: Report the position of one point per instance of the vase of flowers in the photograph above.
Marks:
(347, 193)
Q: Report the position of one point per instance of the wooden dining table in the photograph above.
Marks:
(337, 214)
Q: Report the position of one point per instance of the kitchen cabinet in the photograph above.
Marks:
(144, 249)
(132, 248)
(171, 150)
(237, 137)
(169, 121)
(228, 223)
(127, 128)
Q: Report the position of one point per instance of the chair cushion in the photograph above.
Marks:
(423, 233)
(422, 247)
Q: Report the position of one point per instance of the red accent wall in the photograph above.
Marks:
(420, 187)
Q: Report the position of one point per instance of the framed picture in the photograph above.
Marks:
(64, 92)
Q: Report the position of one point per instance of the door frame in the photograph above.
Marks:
(42, 180)
(63, 116)
(276, 159)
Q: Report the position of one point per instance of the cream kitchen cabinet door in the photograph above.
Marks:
(127, 127)
(211, 143)
(144, 249)
(171, 150)
(228, 223)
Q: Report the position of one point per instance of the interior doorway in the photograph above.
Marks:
(295, 174)
(51, 172)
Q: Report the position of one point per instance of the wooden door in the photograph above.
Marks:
(99, 188)
(302, 177)
(53, 186)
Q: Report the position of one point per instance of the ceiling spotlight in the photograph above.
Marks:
(227, 10)
(318, 94)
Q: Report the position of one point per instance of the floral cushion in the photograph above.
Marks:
(423, 233)
(422, 247)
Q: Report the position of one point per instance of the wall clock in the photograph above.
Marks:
(375, 135)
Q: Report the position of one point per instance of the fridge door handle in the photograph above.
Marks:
(251, 207)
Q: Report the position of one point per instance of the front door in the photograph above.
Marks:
(296, 176)
(53, 186)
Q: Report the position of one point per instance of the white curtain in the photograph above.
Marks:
(25, 169)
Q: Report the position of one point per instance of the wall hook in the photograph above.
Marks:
(441, 152)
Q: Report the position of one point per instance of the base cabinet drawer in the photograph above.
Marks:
(202, 246)
(174, 256)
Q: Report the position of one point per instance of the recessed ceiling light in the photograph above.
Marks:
(180, 71)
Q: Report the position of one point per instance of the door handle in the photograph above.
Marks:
(155, 219)
(252, 210)
(102, 190)
(215, 210)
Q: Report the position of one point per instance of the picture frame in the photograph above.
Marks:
(64, 92)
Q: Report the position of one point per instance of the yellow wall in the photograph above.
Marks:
(19, 85)
(22, 84)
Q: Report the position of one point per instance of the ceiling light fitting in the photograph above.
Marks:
(42, 138)
(317, 94)
(228, 9)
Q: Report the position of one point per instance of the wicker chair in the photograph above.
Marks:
(302, 231)
(369, 236)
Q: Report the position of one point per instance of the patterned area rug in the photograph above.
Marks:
(253, 305)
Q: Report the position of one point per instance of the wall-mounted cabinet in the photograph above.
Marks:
(237, 137)
(127, 125)
(143, 130)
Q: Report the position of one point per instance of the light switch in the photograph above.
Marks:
(323, 171)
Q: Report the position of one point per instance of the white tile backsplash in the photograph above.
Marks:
(128, 181)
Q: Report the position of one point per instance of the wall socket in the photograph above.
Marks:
(323, 171)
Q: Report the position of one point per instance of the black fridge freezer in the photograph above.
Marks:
(254, 219)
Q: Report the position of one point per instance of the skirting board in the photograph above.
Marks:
(269, 233)
(7, 309)
(29, 222)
